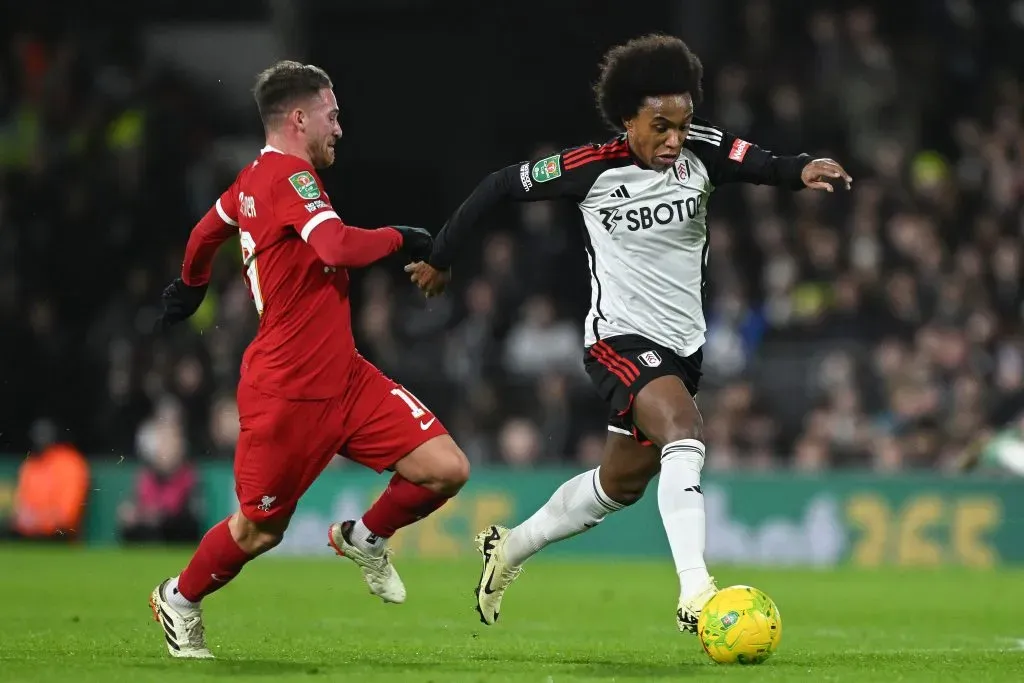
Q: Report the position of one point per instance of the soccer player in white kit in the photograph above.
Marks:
(643, 197)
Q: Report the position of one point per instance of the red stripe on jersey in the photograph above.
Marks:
(614, 145)
(599, 155)
(569, 156)
(620, 358)
(577, 154)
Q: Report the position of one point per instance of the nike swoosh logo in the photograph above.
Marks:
(487, 586)
(426, 425)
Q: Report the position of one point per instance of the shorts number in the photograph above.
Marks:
(417, 408)
(252, 271)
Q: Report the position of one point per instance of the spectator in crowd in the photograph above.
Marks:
(167, 504)
(53, 488)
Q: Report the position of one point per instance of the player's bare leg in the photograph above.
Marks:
(222, 553)
(576, 506)
(424, 480)
(668, 415)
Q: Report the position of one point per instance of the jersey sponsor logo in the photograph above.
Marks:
(739, 150)
(650, 358)
(610, 219)
(620, 192)
(644, 217)
(305, 185)
(524, 176)
(547, 168)
(316, 205)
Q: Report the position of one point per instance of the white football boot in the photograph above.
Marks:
(496, 574)
(380, 574)
(183, 630)
(689, 610)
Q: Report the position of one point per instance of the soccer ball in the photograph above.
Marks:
(739, 625)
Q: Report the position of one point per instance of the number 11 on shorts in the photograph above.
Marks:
(415, 406)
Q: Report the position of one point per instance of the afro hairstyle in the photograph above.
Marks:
(645, 67)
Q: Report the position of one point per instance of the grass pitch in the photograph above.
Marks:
(82, 615)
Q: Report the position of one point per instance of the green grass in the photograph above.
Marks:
(82, 616)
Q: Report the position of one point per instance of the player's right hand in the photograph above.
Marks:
(180, 301)
(429, 279)
(416, 242)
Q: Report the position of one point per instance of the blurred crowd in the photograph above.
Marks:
(874, 328)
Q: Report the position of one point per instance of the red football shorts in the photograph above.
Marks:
(285, 444)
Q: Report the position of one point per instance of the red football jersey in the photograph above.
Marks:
(304, 347)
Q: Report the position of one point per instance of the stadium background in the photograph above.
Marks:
(858, 342)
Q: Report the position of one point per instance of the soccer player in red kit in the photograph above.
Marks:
(305, 393)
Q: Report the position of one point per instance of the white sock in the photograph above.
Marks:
(366, 540)
(578, 504)
(681, 503)
(176, 599)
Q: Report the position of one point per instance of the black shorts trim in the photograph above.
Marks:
(621, 366)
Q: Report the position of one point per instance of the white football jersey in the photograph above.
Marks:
(647, 231)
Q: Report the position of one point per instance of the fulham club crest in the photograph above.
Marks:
(650, 358)
(682, 167)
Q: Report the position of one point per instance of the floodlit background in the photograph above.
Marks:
(854, 338)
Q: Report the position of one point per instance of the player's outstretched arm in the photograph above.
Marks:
(299, 202)
(537, 179)
(499, 186)
(730, 159)
(183, 296)
(345, 246)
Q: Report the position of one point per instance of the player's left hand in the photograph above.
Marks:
(180, 302)
(428, 278)
(820, 173)
(417, 243)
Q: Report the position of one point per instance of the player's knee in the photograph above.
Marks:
(684, 425)
(452, 472)
(438, 465)
(256, 538)
(262, 541)
(449, 472)
(627, 488)
(626, 492)
(665, 412)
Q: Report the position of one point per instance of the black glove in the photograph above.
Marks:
(416, 242)
(180, 302)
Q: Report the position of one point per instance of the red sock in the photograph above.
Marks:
(217, 560)
(401, 504)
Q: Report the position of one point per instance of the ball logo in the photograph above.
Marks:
(730, 619)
